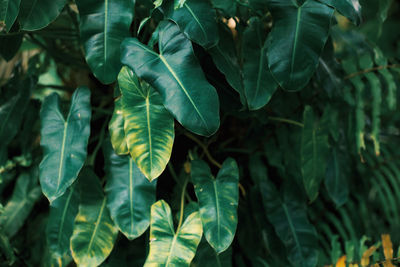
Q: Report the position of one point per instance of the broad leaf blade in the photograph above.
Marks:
(177, 76)
(35, 15)
(64, 142)
(351, 9)
(296, 41)
(8, 13)
(149, 127)
(104, 25)
(94, 232)
(129, 194)
(218, 201)
(116, 129)
(168, 248)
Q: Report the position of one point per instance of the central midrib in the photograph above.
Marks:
(217, 208)
(62, 152)
(197, 20)
(97, 225)
(131, 192)
(105, 32)
(60, 231)
(296, 36)
(149, 131)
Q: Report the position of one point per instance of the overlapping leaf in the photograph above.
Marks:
(351, 9)
(149, 127)
(103, 26)
(8, 13)
(35, 15)
(167, 247)
(129, 194)
(64, 142)
(116, 129)
(177, 76)
(218, 200)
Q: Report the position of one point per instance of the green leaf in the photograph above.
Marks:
(129, 194)
(103, 26)
(296, 40)
(64, 142)
(59, 229)
(7, 250)
(94, 232)
(26, 193)
(197, 20)
(206, 256)
(177, 76)
(167, 247)
(10, 45)
(336, 179)
(351, 9)
(8, 13)
(227, 6)
(116, 129)
(258, 81)
(218, 200)
(35, 15)
(149, 127)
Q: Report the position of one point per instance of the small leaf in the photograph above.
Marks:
(64, 142)
(341, 261)
(335, 177)
(8, 13)
(227, 6)
(366, 255)
(116, 129)
(387, 250)
(35, 15)
(218, 201)
(351, 9)
(167, 247)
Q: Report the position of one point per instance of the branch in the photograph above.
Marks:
(393, 66)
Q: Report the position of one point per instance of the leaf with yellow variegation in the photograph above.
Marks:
(116, 128)
(387, 250)
(341, 261)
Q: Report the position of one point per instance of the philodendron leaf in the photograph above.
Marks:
(35, 15)
(296, 41)
(94, 233)
(167, 247)
(149, 127)
(8, 13)
(116, 129)
(335, 177)
(103, 26)
(351, 9)
(26, 193)
(196, 19)
(258, 81)
(64, 142)
(177, 76)
(129, 194)
(218, 201)
(63, 211)
(314, 151)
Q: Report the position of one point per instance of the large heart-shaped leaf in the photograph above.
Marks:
(149, 127)
(351, 9)
(177, 76)
(116, 129)
(129, 194)
(64, 142)
(167, 247)
(314, 150)
(218, 201)
(296, 41)
(8, 13)
(37, 14)
(103, 26)
(94, 232)
(63, 211)
(258, 81)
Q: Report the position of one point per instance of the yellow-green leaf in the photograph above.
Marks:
(116, 129)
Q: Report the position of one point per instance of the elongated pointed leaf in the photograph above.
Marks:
(258, 81)
(35, 15)
(116, 129)
(64, 142)
(314, 149)
(218, 201)
(149, 127)
(63, 211)
(168, 248)
(336, 179)
(26, 193)
(197, 19)
(94, 232)
(129, 194)
(177, 76)
(103, 25)
(8, 13)
(351, 9)
(296, 41)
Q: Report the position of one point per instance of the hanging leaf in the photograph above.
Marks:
(296, 40)
(35, 15)
(26, 193)
(170, 248)
(218, 201)
(314, 149)
(63, 211)
(8, 13)
(258, 81)
(335, 177)
(177, 76)
(116, 129)
(94, 233)
(64, 142)
(103, 26)
(351, 9)
(206, 256)
(149, 127)
(129, 194)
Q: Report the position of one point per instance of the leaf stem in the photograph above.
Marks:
(173, 174)
(99, 143)
(286, 121)
(182, 205)
(392, 66)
